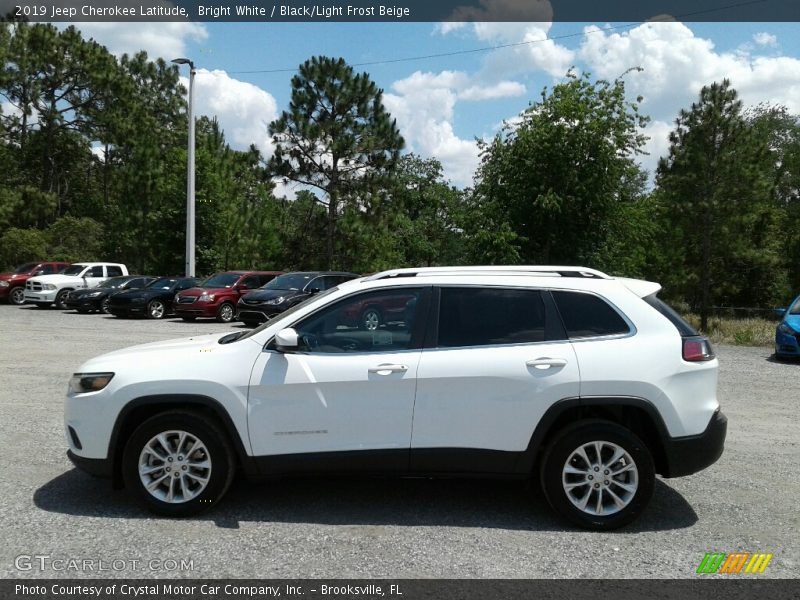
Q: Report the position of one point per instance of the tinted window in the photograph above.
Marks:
(373, 322)
(320, 284)
(114, 271)
(73, 270)
(95, 272)
(49, 269)
(587, 315)
(250, 282)
(163, 283)
(221, 280)
(133, 284)
(481, 317)
(264, 279)
(682, 326)
(290, 281)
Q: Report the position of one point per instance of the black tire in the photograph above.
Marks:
(104, 305)
(370, 319)
(61, 299)
(226, 312)
(220, 454)
(586, 432)
(156, 309)
(16, 295)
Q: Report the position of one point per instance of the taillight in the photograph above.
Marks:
(697, 349)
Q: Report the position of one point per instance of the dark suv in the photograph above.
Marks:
(286, 291)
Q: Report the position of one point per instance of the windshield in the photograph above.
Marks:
(162, 284)
(221, 280)
(73, 270)
(291, 281)
(286, 314)
(27, 267)
(795, 308)
(113, 283)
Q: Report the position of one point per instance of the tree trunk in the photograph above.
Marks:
(705, 270)
(332, 207)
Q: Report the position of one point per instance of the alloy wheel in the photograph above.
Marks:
(156, 309)
(174, 466)
(17, 296)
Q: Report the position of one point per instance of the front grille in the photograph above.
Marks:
(186, 299)
(248, 301)
(33, 286)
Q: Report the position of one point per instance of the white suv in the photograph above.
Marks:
(587, 382)
(47, 290)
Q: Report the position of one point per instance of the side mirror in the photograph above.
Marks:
(780, 311)
(313, 291)
(286, 340)
(39, 272)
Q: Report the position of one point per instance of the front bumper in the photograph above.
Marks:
(787, 344)
(97, 467)
(196, 309)
(128, 311)
(43, 297)
(259, 313)
(690, 454)
(88, 303)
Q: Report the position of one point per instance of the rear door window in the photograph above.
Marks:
(114, 271)
(490, 316)
(586, 315)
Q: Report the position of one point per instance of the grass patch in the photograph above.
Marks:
(737, 332)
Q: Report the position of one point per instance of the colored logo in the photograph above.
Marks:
(738, 562)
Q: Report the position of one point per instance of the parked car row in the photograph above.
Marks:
(251, 296)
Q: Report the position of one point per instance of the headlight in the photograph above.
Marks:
(48, 286)
(206, 298)
(784, 328)
(93, 295)
(82, 383)
(278, 300)
(3, 284)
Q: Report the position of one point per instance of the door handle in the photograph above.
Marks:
(387, 369)
(546, 363)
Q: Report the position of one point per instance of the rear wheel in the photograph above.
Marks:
(178, 464)
(598, 474)
(17, 295)
(226, 312)
(104, 306)
(156, 309)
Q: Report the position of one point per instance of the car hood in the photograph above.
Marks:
(85, 292)
(263, 295)
(55, 279)
(793, 321)
(145, 293)
(10, 276)
(198, 291)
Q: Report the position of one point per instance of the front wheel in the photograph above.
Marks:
(178, 464)
(61, 299)
(598, 474)
(17, 296)
(226, 312)
(104, 306)
(156, 309)
(370, 319)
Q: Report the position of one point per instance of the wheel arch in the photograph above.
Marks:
(135, 412)
(636, 414)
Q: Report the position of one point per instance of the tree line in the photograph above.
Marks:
(93, 165)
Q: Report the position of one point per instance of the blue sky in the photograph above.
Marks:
(442, 104)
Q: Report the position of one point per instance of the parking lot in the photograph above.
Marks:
(373, 527)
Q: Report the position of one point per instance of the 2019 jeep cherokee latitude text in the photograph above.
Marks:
(584, 382)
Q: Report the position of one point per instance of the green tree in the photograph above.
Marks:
(21, 245)
(336, 137)
(716, 187)
(550, 183)
(73, 239)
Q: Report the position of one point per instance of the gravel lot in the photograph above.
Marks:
(374, 527)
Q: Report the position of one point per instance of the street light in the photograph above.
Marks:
(190, 174)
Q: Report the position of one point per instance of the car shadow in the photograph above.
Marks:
(363, 501)
(788, 360)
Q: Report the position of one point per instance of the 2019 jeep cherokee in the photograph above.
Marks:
(587, 383)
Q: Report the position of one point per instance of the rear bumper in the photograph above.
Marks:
(97, 467)
(690, 454)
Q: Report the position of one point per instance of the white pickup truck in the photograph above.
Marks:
(47, 290)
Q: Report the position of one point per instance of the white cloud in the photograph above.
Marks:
(423, 106)
(657, 146)
(243, 110)
(677, 64)
(502, 89)
(763, 38)
(164, 40)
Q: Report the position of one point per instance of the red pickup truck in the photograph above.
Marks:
(12, 284)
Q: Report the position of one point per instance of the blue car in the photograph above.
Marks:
(787, 334)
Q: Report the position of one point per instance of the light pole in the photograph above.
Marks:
(190, 174)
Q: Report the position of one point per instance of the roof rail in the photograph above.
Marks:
(531, 270)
